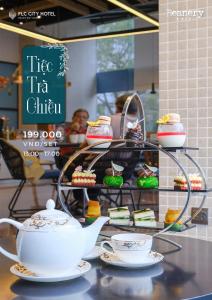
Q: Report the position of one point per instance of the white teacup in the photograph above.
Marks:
(130, 247)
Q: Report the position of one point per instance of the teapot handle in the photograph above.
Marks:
(3, 251)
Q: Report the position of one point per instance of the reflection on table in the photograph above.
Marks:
(183, 274)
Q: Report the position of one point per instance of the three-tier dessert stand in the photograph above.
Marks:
(141, 145)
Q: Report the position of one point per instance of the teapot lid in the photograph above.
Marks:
(49, 219)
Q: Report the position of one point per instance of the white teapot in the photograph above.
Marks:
(52, 242)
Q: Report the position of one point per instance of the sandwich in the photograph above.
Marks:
(145, 218)
(119, 216)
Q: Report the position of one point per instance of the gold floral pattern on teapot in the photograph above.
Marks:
(39, 221)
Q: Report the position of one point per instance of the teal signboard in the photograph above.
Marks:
(43, 85)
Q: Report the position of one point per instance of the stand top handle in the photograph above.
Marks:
(134, 97)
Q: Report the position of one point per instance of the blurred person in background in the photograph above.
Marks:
(78, 125)
(79, 121)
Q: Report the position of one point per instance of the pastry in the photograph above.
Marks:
(134, 132)
(144, 217)
(180, 182)
(100, 131)
(93, 212)
(147, 178)
(171, 132)
(113, 181)
(113, 177)
(83, 178)
(171, 216)
(150, 182)
(119, 216)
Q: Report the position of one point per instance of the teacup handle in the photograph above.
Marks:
(3, 251)
(104, 249)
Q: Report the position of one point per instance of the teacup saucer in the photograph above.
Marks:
(152, 259)
(25, 274)
(95, 253)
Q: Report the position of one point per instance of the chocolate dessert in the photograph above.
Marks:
(134, 133)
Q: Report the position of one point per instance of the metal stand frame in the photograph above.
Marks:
(134, 97)
(101, 153)
(118, 195)
(144, 146)
(205, 187)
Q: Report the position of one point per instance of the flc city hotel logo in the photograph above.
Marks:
(26, 15)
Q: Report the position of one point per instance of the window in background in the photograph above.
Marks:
(151, 109)
(117, 53)
(106, 103)
(115, 63)
(106, 106)
(115, 73)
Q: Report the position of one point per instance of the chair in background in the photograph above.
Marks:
(16, 166)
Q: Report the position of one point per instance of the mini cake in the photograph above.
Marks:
(144, 217)
(147, 179)
(171, 132)
(150, 182)
(134, 132)
(180, 182)
(93, 212)
(83, 178)
(119, 216)
(113, 176)
(100, 131)
(171, 216)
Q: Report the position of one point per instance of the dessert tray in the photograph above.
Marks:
(25, 274)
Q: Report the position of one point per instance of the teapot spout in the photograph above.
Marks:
(92, 232)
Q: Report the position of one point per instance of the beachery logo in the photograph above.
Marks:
(29, 15)
(188, 15)
(12, 14)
